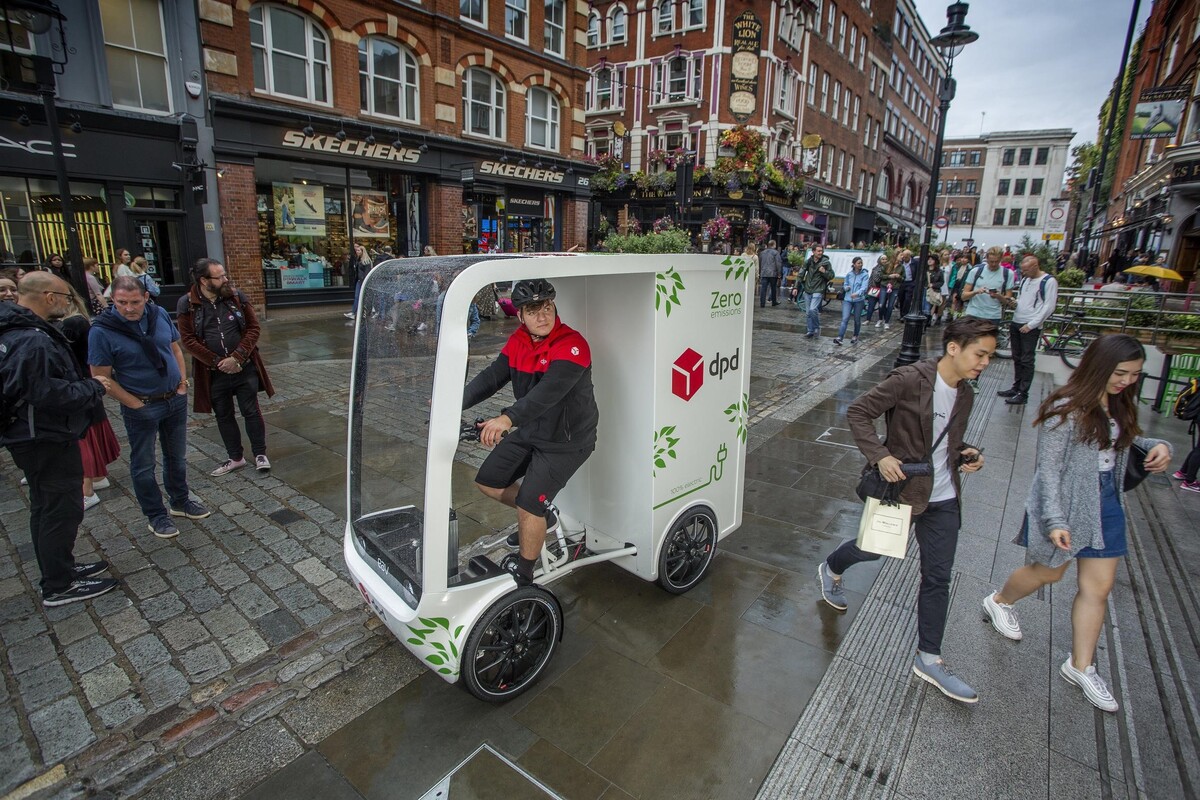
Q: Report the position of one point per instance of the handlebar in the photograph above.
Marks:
(469, 431)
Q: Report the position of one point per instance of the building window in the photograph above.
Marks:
(599, 142)
(967, 216)
(1025, 157)
(674, 136)
(291, 54)
(785, 95)
(1043, 156)
(387, 79)
(846, 107)
(1019, 186)
(824, 92)
(842, 35)
(554, 27)
(516, 19)
(695, 14)
(1031, 215)
(1002, 187)
(483, 98)
(1014, 217)
(616, 25)
(952, 215)
(973, 159)
(541, 128)
(1010, 155)
(972, 187)
(593, 29)
(998, 216)
(136, 54)
(837, 99)
(605, 90)
(885, 186)
(1035, 186)
(666, 16)
(857, 104)
(812, 85)
(473, 11)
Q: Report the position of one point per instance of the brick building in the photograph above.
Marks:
(958, 190)
(449, 124)
(1156, 185)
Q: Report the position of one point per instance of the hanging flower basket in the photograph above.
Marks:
(717, 229)
(757, 230)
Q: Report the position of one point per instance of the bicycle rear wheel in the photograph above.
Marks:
(1070, 349)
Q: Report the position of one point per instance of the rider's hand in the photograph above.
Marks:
(890, 469)
(493, 430)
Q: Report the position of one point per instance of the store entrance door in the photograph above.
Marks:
(160, 240)
(526, 235)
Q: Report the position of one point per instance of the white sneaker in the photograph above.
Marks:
(1093, 686)
(227, 467)
(878, 323)
(349, 315)
(262, 464)
(1002, 617)
(90, 501)
(886, 325)
(101, 484)
(24, 481)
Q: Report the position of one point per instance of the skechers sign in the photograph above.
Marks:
(687, 373)
(501, 170)
(328, 143)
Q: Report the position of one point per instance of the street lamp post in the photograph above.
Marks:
(38, 17)
(952, 39)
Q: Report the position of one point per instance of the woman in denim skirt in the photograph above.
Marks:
(1075, 510)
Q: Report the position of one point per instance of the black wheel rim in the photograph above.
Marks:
(688, 551)
(514, 646)
(1072, 351)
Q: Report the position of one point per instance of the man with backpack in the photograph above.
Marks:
(813, 280)
(988, 287)
(218, 326)
(1036, 300)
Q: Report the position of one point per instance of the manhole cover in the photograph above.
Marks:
(285, 516)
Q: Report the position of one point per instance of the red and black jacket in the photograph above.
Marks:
(555, 407)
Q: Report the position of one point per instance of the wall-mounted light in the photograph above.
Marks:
(307, 130)
(340, 135)
(221, 173)
(522, 162)
(24, 120)
(424, 148)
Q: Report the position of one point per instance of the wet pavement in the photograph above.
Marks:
(287, 687)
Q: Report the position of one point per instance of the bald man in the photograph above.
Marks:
(47, 404)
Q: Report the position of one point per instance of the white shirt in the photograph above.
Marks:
(1108, 458)
(944, 396)
(1032, 310)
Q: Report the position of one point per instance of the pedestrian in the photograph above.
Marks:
(937, 283)
(986, 287)
(55, 265)
(218, 327)
(854, 291)
(955, 278)
(1037, 298)
(97, 297)
(429, 251)
(1189, 473)
(875, 289)
(99, 446)
(907, 267)
(141, 270)
(814, 279)
(8, 286)
(48, 405)
(891, 286)
(1075, 510)
(771, 270)
(358, 264)
(136, 344)
(926, 407)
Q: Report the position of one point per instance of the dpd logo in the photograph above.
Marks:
(687, 373)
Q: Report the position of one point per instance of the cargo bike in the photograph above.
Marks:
(670, 337)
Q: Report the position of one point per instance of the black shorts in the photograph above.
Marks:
(545, 473)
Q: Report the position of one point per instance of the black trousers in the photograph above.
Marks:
(904, 298)
(243, 386)
(1191, 465)
(763, 284)
(55, 474)
(937, 537)
(1024, 355)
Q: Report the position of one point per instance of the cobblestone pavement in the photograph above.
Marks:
(230, 649)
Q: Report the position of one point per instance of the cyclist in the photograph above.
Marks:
(555, 416)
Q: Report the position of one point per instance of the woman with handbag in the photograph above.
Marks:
(1075, 510)
(877, 290)
(935, 299)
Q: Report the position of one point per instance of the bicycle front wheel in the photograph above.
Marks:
(1070, 349)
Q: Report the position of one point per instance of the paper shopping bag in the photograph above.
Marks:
(883, 528)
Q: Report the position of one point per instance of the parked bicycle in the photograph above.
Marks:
(1068, 338)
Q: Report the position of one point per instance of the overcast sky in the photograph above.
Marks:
(1037, 64)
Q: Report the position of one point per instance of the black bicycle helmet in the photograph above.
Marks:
(536, 290)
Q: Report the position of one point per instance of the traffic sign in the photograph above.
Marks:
(941, 222)
(1056, 221)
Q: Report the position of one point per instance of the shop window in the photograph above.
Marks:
(516, 19)
(1031, 215)
(606, 89)
(135, 52)
(291, 54)
(31, 223)
(483, 99)
(387, 79)
(677, 80)
(617, 25)
(1014, 217)
(541, 120)
(141, 197)
(593, 29)
(473, 11)
(554, 27)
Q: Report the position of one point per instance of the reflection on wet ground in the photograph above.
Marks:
(650, 694)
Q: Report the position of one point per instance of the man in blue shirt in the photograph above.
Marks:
(136, 346)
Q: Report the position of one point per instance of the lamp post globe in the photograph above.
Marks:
(951, 41)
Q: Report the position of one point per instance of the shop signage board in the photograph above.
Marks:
(370, 211)
(744, 66)
(1186, 172)
(299, 209)
(1158, 113)
(359, 148)
(1056, 221)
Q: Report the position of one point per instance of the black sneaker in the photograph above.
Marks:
(514, 539)
(1007, 393)
(512, 565)
(88, 570)
(1017, 400)
(84, 589)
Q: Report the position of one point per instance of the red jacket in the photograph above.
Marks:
(204, 361)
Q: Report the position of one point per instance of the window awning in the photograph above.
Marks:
(792, 217)
(887, 220)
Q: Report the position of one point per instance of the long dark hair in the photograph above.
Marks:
(1080, 397)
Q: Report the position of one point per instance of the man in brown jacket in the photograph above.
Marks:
(218, 327)
(926, 406)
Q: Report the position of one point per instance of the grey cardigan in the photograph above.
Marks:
(1066, 492)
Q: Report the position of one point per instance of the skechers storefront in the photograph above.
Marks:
(297, 192)
(142, 203)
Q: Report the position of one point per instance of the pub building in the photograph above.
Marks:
(145, 204)
(315, 186)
